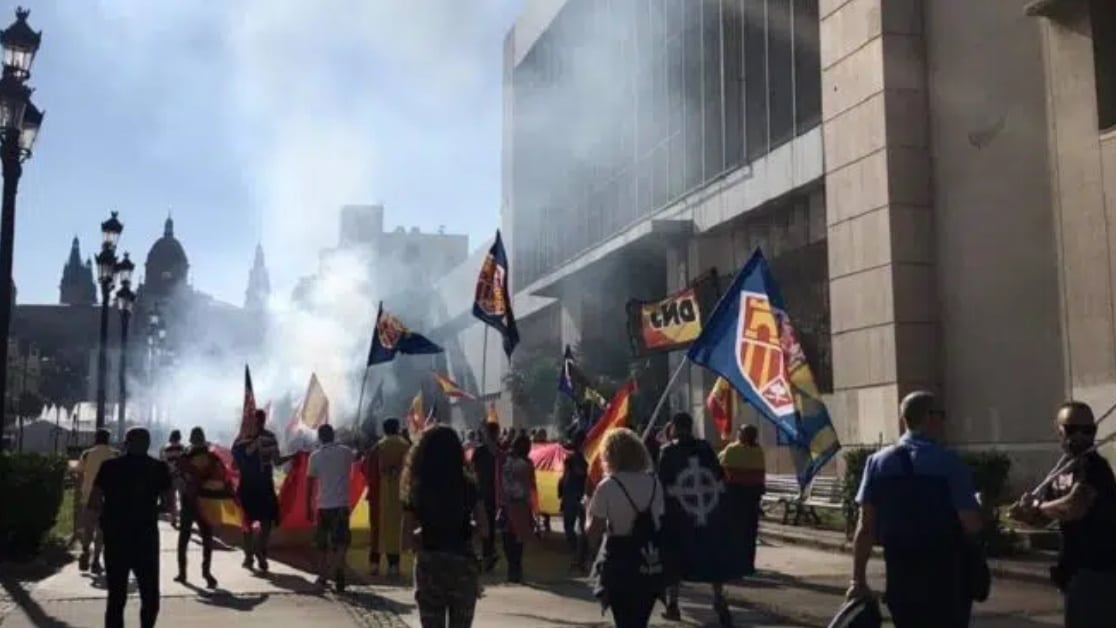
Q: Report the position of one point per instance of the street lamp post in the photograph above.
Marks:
(19, 125)
(155, 335)
(125, 299)
(106, 275)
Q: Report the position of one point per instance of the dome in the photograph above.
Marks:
(166, 261)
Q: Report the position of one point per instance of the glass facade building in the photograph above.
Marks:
(622, 107)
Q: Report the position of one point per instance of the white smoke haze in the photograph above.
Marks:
(283, 85)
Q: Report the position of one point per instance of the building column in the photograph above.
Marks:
(883, 305)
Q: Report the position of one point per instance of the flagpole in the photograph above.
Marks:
(360, 400)
(484, 365)
(662, 398)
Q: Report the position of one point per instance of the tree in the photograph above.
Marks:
(532, 382)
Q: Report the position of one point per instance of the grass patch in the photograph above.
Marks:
(64, 524)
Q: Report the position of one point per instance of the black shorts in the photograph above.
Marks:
(333, 528)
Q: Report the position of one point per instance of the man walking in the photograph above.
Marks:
(256, 458)
(1083, 501)
(917, 498)
(745, 472)
(486, 458)
(89, 465)
(128, 494)
(330, 469)
(203, 478)
(387, 529)
(571, 493)
(171, 453)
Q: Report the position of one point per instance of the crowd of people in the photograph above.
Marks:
(445, 493)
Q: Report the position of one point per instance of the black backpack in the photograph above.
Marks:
(642, 548)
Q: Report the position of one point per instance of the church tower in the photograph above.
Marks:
(259, 285)
(77, 287)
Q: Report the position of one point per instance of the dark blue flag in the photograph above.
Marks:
(701, 527)
(492, 304)
(750, 341)
(391, 336)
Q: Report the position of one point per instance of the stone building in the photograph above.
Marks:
(933, 182)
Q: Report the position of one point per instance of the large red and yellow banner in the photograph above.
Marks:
(674, 322)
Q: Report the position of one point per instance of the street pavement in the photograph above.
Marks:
(806, 586)
(288, 597)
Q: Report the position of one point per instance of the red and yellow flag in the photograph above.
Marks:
(719, 403)
(416, 418)
(491, 416)
(450, 387)
(615, 415)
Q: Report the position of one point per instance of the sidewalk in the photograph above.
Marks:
(806, 585)
(288, 597)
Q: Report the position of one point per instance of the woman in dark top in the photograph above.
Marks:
(440, 504)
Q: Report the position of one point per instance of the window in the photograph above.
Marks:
(755, 77)
(807, 66)
(780, 60)
(1103, 16)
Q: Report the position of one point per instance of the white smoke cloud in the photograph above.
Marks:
(287, 88)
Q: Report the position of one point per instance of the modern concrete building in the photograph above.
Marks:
(931, 180)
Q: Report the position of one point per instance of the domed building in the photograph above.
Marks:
(166, 268)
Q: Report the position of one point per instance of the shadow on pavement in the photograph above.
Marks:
(289, 582)
(221, 598)
(372, 601)
(35, 613)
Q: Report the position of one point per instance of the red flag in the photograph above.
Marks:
(450, 387)
(248, 417)
(719, 403)
(292, 494)
(616, 415)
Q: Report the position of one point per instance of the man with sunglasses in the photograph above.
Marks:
(1083, 501)
(917, 500)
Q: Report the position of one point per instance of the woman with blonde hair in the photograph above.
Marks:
(440, 504)
(627, 507)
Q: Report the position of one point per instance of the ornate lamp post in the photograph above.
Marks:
(19, 126)
(155, 335)
(106, 276)
(125, 299)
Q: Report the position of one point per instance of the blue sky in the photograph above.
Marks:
(253, 121)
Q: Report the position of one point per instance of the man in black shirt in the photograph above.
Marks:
(1083, 501)
(484, 466)
(571, 493)
(129, 493)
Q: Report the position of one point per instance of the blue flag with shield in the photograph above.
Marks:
(750, 341)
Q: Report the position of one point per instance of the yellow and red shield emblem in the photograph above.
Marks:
(760, 354)
(490, 289)
(390, 330)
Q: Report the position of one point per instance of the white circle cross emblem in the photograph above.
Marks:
(697, 490)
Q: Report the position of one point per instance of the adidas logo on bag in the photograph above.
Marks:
(651, 563)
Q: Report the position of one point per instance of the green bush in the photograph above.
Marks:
(31, 489)
(990, 476)
(855, 460)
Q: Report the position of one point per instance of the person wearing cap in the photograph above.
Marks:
(1082, 499)
(745, 472)
(918, 501)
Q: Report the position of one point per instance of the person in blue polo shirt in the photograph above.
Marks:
(917, 500)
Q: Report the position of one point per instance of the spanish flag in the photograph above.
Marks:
(616, 415)
(491, 416)
(450, 387)
(719, 403)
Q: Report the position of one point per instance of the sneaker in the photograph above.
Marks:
(181, 577)
(247, 564)
(262, 561)
(83, 561)
(672, 613)
(210, 581)
(96, 567)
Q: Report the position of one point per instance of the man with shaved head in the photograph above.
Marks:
(917, 500)
(1082, 500)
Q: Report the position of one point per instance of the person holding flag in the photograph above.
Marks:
(203, 477)
(255, 455)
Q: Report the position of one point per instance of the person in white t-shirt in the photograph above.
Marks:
(330, 469)
(628, 488)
